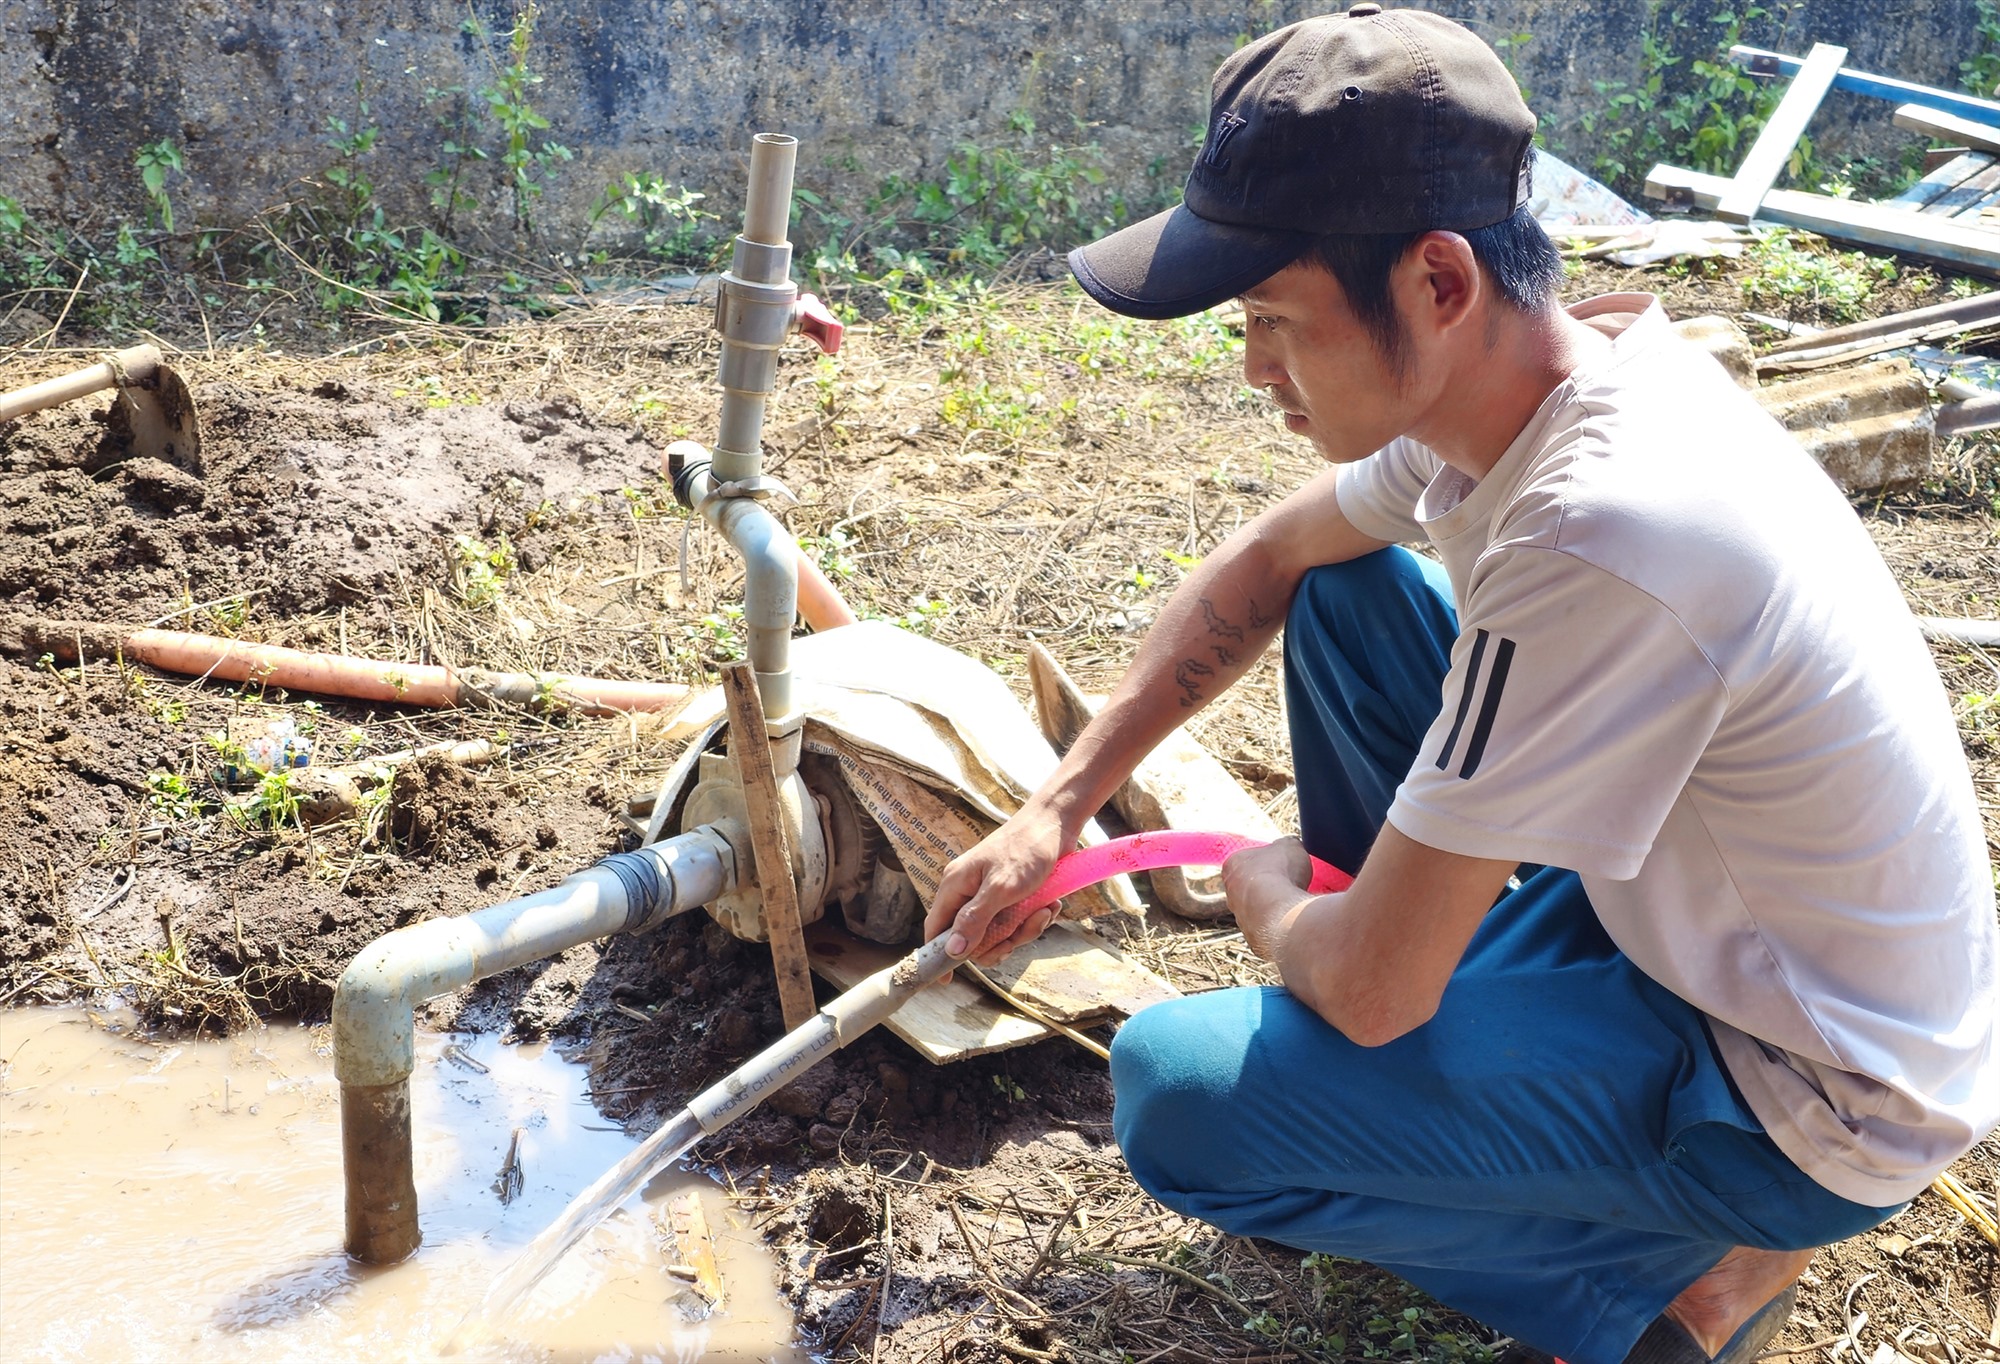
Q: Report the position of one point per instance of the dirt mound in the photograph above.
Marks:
(307, 498)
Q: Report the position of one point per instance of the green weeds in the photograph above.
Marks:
(1980, 73)
(154, 162)
(925, 615)
(478, 570)
(831, 552)
(331, 242)
(1688, 104)
(173, 798)
(524, 154)
(995, 201)
(667, 224)
(273, 805)
(716, 637)
(1808, 280)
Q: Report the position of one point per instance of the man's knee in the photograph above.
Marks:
(1344, 598)
(1173, 1068)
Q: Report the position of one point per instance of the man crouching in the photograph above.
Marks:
(1670, 952)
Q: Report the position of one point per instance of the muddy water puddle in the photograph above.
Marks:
(181, 1201)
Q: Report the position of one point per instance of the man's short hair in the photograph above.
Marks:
(1514, 254)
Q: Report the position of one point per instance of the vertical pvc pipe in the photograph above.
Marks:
(379, 1156)
(755, 316)
(767, 213)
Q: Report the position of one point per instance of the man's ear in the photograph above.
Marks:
(1439, 282)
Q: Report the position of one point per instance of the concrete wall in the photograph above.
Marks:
(871, 87)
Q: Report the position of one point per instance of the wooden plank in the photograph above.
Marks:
(750, 749)
(1072, 975)
(1945, 241)
(1971, 197)
(1781, 133)
(1942, 181)
(1763, 62)
(951, 1021)
(1946, 127)
(690, 1247)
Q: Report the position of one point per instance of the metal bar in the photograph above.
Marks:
(1962, 311)
(1781, 133)
(1766, 63)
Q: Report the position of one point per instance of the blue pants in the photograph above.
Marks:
(1558, 1152)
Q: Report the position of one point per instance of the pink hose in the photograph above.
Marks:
(1150, 851)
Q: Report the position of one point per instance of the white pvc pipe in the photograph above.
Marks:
(767, 209)
(1982, 632)
(770, 586)
(374, 1034)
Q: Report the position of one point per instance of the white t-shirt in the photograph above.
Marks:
(1684, 672)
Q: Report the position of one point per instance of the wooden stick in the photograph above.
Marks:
(137, 361)
(1947, 127)
(1950, 241)
(750, 747)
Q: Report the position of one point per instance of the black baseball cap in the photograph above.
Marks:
(1371, 121)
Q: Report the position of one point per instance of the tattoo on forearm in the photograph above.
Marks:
(1217, 625)
(1258, 620)
(1188, 674)
(1226, 657)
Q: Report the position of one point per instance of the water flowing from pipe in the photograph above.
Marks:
(839, 1023)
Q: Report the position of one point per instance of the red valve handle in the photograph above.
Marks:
(815, 320)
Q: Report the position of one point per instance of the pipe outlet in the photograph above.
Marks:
(374, 1028)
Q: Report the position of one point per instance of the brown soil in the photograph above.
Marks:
(976, 1211)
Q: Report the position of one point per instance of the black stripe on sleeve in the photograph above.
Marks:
(1464, 698)
(1481, 732)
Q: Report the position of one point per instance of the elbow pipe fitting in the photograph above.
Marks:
(770, 593)
(374, 1029)
(770, 567)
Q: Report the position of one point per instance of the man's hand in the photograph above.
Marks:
(1372, 960)
(1263, 885)
(1003, 869)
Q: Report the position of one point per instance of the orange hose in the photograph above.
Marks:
(603, 696)
(820, 602)
(419, 684)
(406, 684)
(409, 684)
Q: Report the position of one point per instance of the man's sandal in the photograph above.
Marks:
(1667, 1342)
